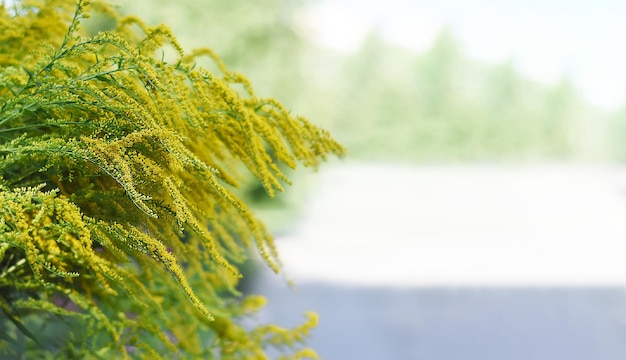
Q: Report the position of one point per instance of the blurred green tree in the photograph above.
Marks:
(387, 102)
(440, 105)
(258, 38)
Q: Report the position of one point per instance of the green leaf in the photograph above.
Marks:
(21, 327)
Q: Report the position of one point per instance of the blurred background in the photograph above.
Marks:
(480, 213)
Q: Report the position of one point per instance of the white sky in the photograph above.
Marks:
(545, 39)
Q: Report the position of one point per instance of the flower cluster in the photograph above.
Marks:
(116, 170)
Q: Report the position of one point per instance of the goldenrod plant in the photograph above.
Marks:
(120, 232)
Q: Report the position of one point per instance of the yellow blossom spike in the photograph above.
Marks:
(117, 177)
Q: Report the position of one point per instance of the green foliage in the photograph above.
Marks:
(118, 223)
(257, 37)
(442, 106)
(389, 103)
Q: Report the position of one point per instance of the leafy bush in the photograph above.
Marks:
(120, 234)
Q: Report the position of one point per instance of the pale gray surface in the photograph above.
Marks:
(460, 262)
(469, 225)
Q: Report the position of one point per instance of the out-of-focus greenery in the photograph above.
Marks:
(385, 102)
(390, 103)
(616, 134)
(257, 38)
(442, 106)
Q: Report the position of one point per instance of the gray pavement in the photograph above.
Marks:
(436, 323)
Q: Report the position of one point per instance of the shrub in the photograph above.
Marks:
(120, 233)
